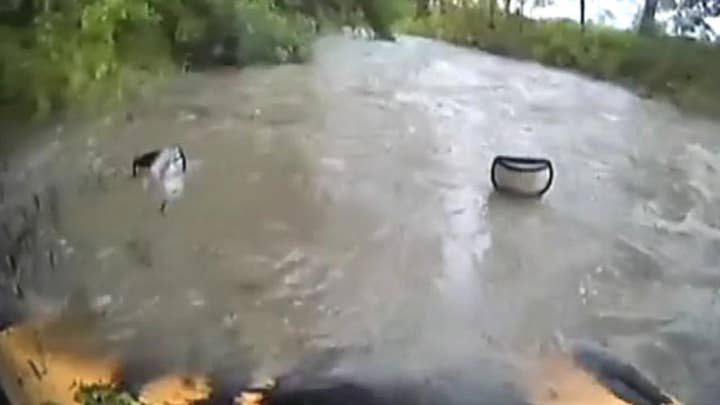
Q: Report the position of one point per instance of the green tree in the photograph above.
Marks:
(492, 6)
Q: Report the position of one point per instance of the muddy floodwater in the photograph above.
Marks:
(346, 205)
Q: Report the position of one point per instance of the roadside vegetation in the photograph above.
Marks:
(682, 70)
(56, 54)
(60, 53)
(103, 394)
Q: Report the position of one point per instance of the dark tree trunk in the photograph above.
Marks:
(492, 6)
(422, 8)
(582, 14)
(647, 21)
(507, 7)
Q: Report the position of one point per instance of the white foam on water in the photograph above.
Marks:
(449, 74)
(698, 170)
(336, 164)
(692, 223)
(702, 168)
(445, 107)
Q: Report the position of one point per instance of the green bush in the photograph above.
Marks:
(238, 32)
(271, 37)
(55, 53)
(684, 71)
(69, 51)
(92, 52)
(389, 12)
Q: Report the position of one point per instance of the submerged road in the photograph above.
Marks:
(346, 205)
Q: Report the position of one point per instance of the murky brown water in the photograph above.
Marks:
(347, 203)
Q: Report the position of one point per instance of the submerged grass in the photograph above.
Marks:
(685, 72)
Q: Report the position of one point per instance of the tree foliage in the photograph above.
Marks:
(59, 52)
(690, 16)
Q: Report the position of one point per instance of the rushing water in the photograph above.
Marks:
(347, 204)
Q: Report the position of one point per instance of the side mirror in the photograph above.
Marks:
(522, 176)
